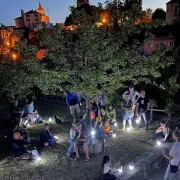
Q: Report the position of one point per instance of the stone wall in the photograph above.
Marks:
(145, 165)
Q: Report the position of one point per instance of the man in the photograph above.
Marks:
(142, 107)
(73, 102)
(173, 169)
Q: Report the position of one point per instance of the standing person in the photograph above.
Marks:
(127, 110)
(133, 94)
(72, 134)
(107, 169)
(173, 169)
(93, 113)
(102, 100)
(72, 101)
(141, 108)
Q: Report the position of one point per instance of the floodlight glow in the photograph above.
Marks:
(114, 135)
(138, 120)
(28, 125)
(129, 129)
(93, 132)
(50, 119)
(38, 159)
(56, 137)
(158, 143)
(115, 124)
(131, 167)
(120, 170)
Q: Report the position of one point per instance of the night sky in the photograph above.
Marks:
(58, 9)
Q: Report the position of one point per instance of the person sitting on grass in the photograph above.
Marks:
(81, 141)
(71, 140)
(107, 169)
(46, 138)
(163, 132)
(37, 118)
(29, 110)
(107, 128)
(111, 114)
(19, 144)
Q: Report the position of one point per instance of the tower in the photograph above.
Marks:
(81, 2)
(40, 9)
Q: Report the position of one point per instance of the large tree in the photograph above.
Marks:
(90, 56)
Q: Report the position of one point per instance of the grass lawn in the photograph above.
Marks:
(54, 165)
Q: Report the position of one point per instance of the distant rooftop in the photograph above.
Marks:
(172, 1)
(31, 12)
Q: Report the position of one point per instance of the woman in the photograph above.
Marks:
(127, 110)
(111, 114)
(163, 132)
(107, 169)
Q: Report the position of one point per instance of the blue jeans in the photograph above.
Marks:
(71, 147)
(125, 117)
(144, 116)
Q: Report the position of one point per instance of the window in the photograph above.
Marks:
(36, 19)
(27, 15)
(28, 20)
(36, 15)
(29, 24)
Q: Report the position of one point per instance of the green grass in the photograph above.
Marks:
(56, 166)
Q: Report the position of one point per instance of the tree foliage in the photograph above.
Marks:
(159, 14)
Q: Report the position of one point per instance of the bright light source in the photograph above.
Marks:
(104, 20)
(129, 129)
(14, 56)
(131, 167)
(50, 119)
(138, 120)
(115, 124)
(38, 159)
(93, 132)
(8, 43)
(114, 135)
(56, 137)
(120, 170)
(28, 125)
(158, 143)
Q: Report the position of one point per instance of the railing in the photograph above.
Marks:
(154, 110)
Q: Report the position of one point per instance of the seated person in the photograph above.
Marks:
(111, 114)
(37, 118)
(163, 132)
(107, 128)
(46, 138)
(107, 169)
(18, 144)
(99, 135)
(28, 110)
(71, 140)
(80, 139)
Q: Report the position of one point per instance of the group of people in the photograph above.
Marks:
(24, 115)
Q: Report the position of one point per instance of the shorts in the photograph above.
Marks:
(125, 117)
(75, 109)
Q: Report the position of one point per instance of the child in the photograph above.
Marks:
(107, 128)
(106, 169)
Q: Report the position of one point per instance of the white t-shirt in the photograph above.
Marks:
(132, 96)
(106, 168)
(175, 152)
